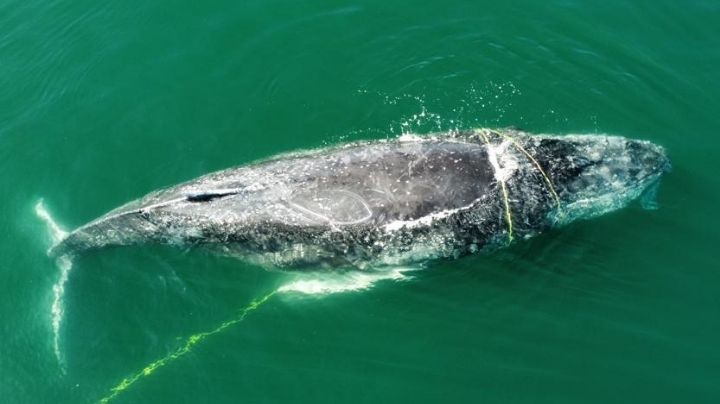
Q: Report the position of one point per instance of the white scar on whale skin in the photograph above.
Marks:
(65, 264)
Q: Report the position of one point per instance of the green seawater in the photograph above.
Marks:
(102, 102)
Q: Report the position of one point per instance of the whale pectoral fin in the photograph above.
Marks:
(648, 199)
(334, 207)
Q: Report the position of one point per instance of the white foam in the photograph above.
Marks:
(58, 308)
(56, 232)
(329, 283)
(65, 264)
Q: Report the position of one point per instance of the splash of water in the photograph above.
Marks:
(56, 232)
(478, 105)
(64, 263)
(58, 308)
(329, 283)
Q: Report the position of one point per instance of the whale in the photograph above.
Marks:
(387, 202)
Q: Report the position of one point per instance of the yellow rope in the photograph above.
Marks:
(542, 172)
(508, 213)
(190, 342)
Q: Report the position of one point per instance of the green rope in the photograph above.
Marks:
(548, 181)
(190, 342)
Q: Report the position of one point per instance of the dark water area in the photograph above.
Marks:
(101, 103)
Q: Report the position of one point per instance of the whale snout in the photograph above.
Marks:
(605, 173)
(616, 164)
(650, 160)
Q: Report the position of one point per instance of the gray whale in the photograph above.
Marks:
(387, 202)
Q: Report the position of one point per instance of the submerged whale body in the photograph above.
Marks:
(389, 201)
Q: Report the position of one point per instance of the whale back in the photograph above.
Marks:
(364, 185)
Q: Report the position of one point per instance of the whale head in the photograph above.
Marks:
(596, 174)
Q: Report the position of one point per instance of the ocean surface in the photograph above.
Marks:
(102, 102)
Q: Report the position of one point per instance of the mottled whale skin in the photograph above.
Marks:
(388, 202)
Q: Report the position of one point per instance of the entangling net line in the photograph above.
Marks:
(508, 212)
(190, 342)
(549, 182)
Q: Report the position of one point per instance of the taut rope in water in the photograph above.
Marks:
(190, 342)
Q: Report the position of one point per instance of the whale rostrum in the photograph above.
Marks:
(388, 202)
